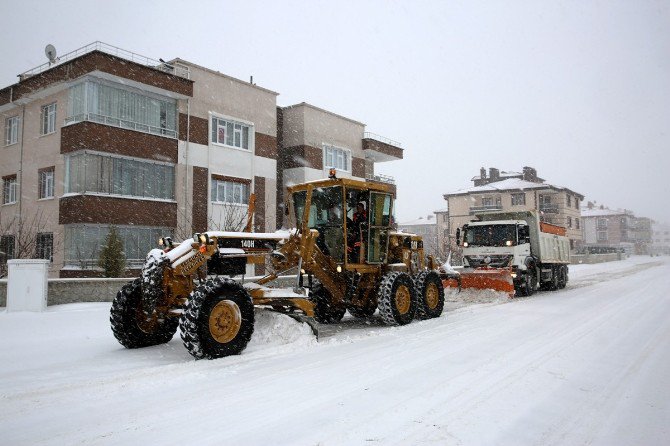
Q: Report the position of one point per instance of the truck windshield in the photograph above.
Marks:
(490, 235)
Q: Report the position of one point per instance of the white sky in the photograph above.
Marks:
(580, 90)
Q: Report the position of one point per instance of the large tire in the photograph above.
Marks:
(553, 285)
(218, 320)
(152, 280)
(324, 310)
(130, 323)
(430, 295)
(362, 313)
(396, 299)
(529, 283)
(562, 277)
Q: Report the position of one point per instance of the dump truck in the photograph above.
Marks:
(514, 252)
(339, 262)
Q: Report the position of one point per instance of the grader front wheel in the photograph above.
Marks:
(134, 326)
(218, 320)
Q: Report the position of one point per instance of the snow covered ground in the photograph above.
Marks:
(589, 364)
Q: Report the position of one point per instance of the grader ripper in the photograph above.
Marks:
(342, 261)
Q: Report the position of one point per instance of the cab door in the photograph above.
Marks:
(381, 206)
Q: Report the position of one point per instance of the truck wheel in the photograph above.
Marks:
(324, 310)
(562, 277)
(132, 326)
(529, 283)
(430, 295)
(218, 320)
(396, 299)
(554, 284)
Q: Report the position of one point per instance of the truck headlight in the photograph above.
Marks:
(338, 269)
(465, 244)
(508, 243)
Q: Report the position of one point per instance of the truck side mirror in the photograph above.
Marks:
(458, 236)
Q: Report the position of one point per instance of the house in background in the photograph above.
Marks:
(105, 137)
(516, 191)
(606, 228)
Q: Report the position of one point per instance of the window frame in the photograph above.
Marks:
(48, 119)
(10, 186)
(347, 157)
(43, 251)
(515, 201)
(220, 182)
(4, 240)
(45, 182)
(12, 130)
(231, 123)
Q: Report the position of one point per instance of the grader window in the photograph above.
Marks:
(380, 222)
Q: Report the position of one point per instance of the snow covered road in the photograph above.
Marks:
(586, 365)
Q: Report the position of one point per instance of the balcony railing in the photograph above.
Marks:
(176, 69)
(381, 179)
(369, 135)
(549, 208)
(486, 208)
(121, 123)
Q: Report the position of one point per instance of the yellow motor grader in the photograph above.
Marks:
(344, 254)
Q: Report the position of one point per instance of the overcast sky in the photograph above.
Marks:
(580, 90)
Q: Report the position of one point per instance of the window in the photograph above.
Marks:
(46, 183)
(232, 192)
(45, 246)
(576, 203)
(6, 248)
(121, 107)
(569, 222)
(576, 223)
(601, 223)
(334, 157)
(602, 236)
(518, 199)
(48, 119)
(487, 201)
(82, 243)
(9, 186)
(88, 172)
(230, 133)
(11, 130)
(569, 200)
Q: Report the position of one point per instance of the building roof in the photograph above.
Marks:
(218, 73)
(510, 184)
(597, 212)
(430, 220)
(305, 104)
(502, 174)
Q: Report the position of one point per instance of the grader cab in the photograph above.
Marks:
(344, 255)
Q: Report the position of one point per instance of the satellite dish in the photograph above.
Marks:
(50, 52)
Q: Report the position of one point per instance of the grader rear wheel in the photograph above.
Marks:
(430, 294)
(218, 320)
(132, 325)
(396, 299)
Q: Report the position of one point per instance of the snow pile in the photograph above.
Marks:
(275, 329)
(469, 296)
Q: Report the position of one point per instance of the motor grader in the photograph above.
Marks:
(339, 262)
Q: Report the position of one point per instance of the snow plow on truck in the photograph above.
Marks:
(345, 256)
(513, 252)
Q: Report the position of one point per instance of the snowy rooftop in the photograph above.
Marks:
(502, 174)
(597, 212)
(509, 184)
(430, 220)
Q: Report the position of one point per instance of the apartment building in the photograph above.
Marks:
(615, 228)
(516, 191)
(105, 137)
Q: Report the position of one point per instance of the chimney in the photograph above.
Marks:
(482, 173)
(529, 174)
(589, 205)
(494, 174)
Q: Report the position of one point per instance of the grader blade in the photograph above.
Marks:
(497, 279)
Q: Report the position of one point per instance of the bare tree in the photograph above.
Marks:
(24, 231)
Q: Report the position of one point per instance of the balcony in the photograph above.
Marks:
(380, 149)
(549, 208)
(486, 208)
(387, 179)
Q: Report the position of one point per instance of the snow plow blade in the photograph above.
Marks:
(498, 279)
